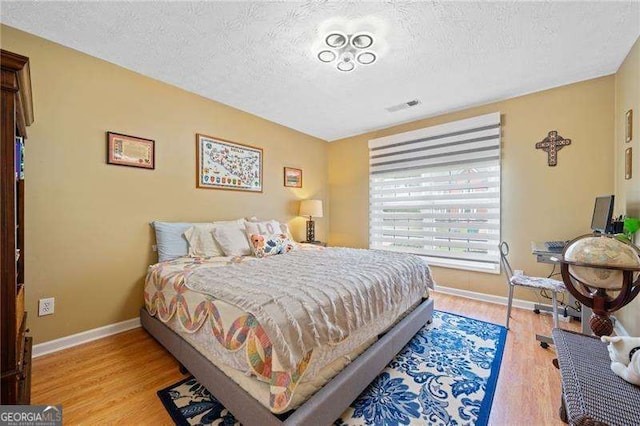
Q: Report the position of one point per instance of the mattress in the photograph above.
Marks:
(233, 340)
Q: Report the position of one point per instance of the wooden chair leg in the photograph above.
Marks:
(509, 304)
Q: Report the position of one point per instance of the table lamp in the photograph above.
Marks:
(602, 273)
(311, 208)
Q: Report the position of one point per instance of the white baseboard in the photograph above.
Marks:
(483, 297)
(84, 337)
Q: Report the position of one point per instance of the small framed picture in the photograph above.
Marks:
(628, 159)
(628, 126)
(292, 177)
(132, 151)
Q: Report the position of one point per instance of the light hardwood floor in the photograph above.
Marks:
(115, 379)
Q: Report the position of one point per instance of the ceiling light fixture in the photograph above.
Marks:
(348, 50)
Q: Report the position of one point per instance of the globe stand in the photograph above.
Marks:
(601, 325)
(597, 298)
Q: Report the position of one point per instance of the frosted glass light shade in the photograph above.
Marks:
(346, 66)
(336, 40)
(361, 41)
(366, 58)
(326, 56)
(311, 208)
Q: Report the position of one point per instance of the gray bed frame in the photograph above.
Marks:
(326, 405)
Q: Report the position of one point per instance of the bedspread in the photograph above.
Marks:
(306, 299)
(243, 340)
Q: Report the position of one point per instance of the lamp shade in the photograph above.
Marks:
(311, 208)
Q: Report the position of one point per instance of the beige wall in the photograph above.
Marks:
(88, 241)
(627, 92)
(538, 202)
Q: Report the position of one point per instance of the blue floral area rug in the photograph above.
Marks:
(446, 375)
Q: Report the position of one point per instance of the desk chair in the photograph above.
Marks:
(537, 283)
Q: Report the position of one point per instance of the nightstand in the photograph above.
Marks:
(315, 243)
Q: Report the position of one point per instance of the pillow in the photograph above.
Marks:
(269, 245)
(201, 241)
(170, 240)
(232, 239)
(267, 227)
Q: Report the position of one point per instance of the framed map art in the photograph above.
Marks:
(222, 164)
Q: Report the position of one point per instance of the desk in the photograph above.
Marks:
(544, 255)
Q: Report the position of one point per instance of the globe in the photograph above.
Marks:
(601, 250)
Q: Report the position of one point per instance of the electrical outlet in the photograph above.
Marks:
(46, 306)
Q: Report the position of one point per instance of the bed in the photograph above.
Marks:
(289, 339)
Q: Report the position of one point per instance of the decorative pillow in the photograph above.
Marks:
(268, 227)
(232, 239)
(269, 245)
(201, 241)
(170, 240)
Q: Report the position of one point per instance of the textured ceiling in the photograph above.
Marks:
(259, 56)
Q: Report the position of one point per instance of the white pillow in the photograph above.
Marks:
(201, 241)
(232, 239)
(267, 227)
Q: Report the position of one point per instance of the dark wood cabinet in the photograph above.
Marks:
(16, 116)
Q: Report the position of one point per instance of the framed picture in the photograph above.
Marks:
(222, 164)
(628, 126)
(628, 159)
(132, 151)
(292, 177)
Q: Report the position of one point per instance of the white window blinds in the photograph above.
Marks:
(435, 192)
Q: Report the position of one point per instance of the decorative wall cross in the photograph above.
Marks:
(551, 145)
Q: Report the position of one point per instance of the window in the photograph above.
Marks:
(435, 192)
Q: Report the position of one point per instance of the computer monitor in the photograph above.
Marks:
(602, 213)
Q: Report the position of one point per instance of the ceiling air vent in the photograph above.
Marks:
(403, 105)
